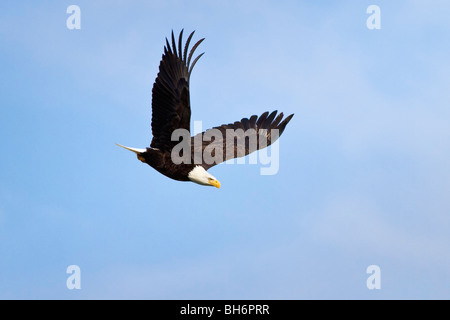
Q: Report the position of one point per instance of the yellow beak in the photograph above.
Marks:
(215, 183)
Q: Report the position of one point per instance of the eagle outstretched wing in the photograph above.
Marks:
(237, 139)
(170, 94)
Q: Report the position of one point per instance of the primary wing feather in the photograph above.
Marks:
(249, 135)
(170, 94)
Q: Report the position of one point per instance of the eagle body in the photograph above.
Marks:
(162, 162)
(171, 111)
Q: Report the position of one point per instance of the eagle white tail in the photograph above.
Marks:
(135, 150)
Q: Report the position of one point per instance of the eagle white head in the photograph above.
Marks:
(201, 176)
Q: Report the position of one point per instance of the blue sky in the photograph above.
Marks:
(364, 171)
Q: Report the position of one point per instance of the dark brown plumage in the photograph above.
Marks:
(241, 145)
(171, 110)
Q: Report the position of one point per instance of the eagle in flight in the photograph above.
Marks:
(171, 111)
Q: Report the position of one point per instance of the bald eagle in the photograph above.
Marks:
(171, 111)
